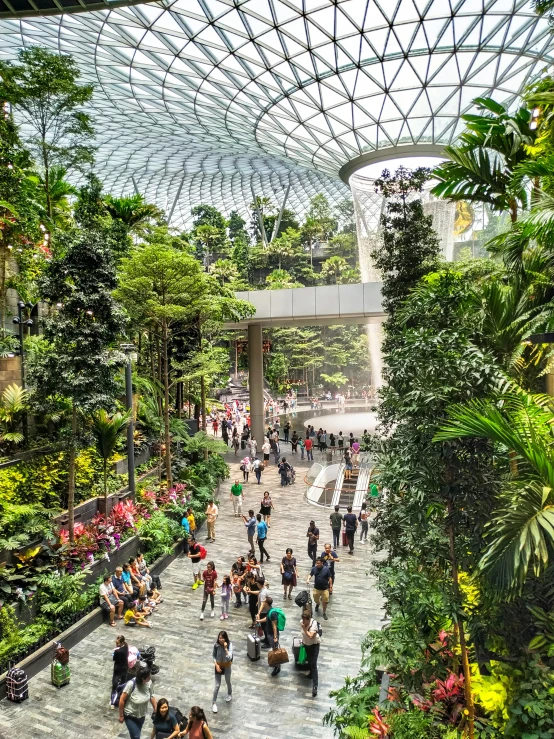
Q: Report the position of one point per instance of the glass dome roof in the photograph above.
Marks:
(205, 100)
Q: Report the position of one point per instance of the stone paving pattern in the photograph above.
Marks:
(262, 706)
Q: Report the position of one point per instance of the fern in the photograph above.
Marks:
(355, 732)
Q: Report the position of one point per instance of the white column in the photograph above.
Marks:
(256, 381)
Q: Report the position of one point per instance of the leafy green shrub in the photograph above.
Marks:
(413, 725)
(158, 534)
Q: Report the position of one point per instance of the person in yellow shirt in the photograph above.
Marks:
(190, 519)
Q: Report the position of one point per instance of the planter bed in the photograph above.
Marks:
(38, 657)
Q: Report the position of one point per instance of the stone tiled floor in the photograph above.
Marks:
(263, 706)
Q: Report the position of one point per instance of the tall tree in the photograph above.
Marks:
(409, 247)
(44, 89)
(167, 290)
(82, 332)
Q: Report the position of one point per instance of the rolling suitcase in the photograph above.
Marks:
(59, 674)
(344, 539)
(17, 685)
(253, 648)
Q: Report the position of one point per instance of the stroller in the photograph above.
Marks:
(146, 658)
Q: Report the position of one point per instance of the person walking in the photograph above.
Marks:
(275, 449)
(329, 557)
(289, 573)
(272, 630)
(336, 525)
(262, 536)
(258, 468)
(265, 508)
(356, 453)
(120, 666)
(210, 583)
(286, 431)
(294, 443)
(211, 517)
(226, 593)
(223, 661)
(364, 520)
(195, 556)
(311, 641)
(133, 704)
(197, 726)
(236, 498)
(266, 449)
(235, 440)
(313, 538)
(253, 447)
(215, 426)
(350, 525)
(252, 590)
(322, 577)
(302, 445)
(284, 470)
(245, 468)
(250, 524)
(309, 446)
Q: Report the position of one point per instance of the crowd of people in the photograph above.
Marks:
(248, 585)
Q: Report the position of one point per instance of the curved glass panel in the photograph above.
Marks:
(203, 101)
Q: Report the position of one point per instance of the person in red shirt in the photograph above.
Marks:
(210, 584)
(309, 446)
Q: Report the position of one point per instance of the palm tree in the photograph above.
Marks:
(107, 431)
(59, 190)
(522, 528)
(133, 211)
(481, 165)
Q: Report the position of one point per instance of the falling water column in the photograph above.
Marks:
(256, 381)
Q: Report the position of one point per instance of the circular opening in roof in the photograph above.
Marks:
(374, 170)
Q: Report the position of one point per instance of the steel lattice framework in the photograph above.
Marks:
(201, 100)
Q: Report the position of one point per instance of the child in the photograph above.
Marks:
(142, 605)
(237, 590)
(226, 590)
(210, 583)
(136, 616)
(192, 522)
(154, 597)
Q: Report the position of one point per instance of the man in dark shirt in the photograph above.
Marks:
(350, 526)
(313, 537)
(322, 578)
(329, 557)
(195, 556)
(336, 524)
(119, 587)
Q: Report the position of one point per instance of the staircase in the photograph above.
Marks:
(348, 489)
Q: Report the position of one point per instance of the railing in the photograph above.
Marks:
(324, 490)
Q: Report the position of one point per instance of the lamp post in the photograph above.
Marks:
(128, 349)
(20, 321)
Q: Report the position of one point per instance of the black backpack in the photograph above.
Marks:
(302, 598)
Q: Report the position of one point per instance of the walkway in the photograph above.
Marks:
(263, 707)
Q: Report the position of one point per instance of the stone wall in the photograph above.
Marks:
(10, 372)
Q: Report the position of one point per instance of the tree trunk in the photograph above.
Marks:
(461, 632)
(71, 478)
(166, 408)
(3, 270)
(203, 401)
(46, 180)
(513, 210)
(105, 461)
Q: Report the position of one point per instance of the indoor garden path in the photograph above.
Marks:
(263, 707)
